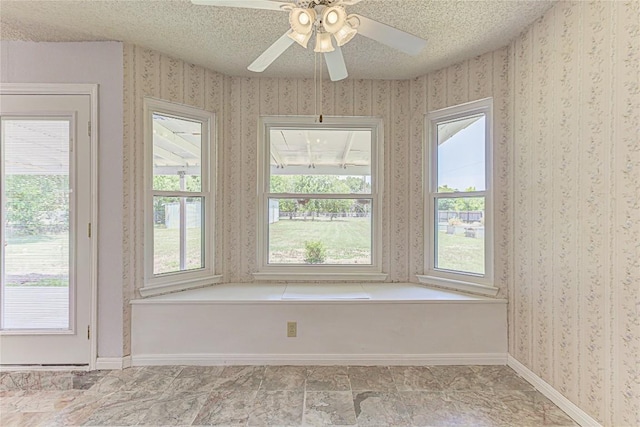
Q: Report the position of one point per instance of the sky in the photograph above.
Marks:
(461, 158)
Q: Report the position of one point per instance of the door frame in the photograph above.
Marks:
(92, 91)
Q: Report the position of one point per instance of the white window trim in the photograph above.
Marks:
(182, 280)
(468, 282)
(315, 273)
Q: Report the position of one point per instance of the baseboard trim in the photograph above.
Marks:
(319, 359)
(113, 363)
(577, 414)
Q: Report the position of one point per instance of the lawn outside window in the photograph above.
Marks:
(319, 200)
(458, 198)
(179, 197)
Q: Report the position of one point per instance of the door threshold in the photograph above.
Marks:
(60, 368)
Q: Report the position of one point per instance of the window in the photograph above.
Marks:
(179, 184)
(458, 198)
(319, 199)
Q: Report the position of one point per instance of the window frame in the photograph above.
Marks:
(155, 284)
(315, 273)
(452, 279)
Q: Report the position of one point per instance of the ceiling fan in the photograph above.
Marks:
(332, 26)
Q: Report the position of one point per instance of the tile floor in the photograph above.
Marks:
(277, 396)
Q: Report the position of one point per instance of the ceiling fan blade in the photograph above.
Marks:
(271, 54)
(250, 4)
(397, 39)
(335, 64)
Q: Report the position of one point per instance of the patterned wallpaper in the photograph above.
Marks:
(575, 295)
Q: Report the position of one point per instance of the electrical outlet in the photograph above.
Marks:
(292, 329)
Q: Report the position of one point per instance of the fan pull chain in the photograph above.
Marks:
(321, 93)
(315, 84)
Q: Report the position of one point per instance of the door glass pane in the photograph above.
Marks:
(177, 154)
(178, 242)
(459, 244)
(461, 155)
(320, 231)
(35, 282)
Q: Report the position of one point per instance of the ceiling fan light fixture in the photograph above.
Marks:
(302, 20)
(301, 39)
(345, 34)
(324, 43)
(333, 18)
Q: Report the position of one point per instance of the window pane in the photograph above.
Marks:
(36, 234)
(195, 236)
(461, 155)
(320, 161)
(459, 234)
(320, 231)
(177, 154)
(177, 234)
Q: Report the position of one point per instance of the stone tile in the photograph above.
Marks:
(154, 378)
(414, 378)
(36, 381)
(28, 419)
(54, 381)
(80, 409)
(197, 378)
(239, 378)
(329, 408)
(501, 378)
(122, 408)
(168, 370)
(284, 378)
(379, 408)
(9, 400)
(457, 378)
(277, 408)
(527, 408)
(328, 378)
(371, 378)
(229, 408)
(116, 380)
(174, 409)
(46, 401)
(454, 409)
(7, 383)
(84, 380)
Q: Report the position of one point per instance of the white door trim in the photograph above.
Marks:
(92, 91)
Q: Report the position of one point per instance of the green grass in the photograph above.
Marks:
(43, 255)
(166, 248)
(347, 240)
(457, 252)
(40, 260)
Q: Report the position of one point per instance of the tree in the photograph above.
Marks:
(37, 203)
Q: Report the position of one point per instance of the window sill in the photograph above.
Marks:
(178, 285)
(319, 277)
(458, 285)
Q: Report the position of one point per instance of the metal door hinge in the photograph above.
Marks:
(89, 332)
(89, 128)
(89, 230)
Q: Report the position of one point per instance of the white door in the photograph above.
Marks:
(45, 181)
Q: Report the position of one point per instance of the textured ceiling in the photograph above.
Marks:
(229, 39)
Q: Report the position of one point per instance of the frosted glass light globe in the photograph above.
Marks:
(332, 17)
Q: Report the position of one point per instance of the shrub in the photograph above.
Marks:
(315, 252)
